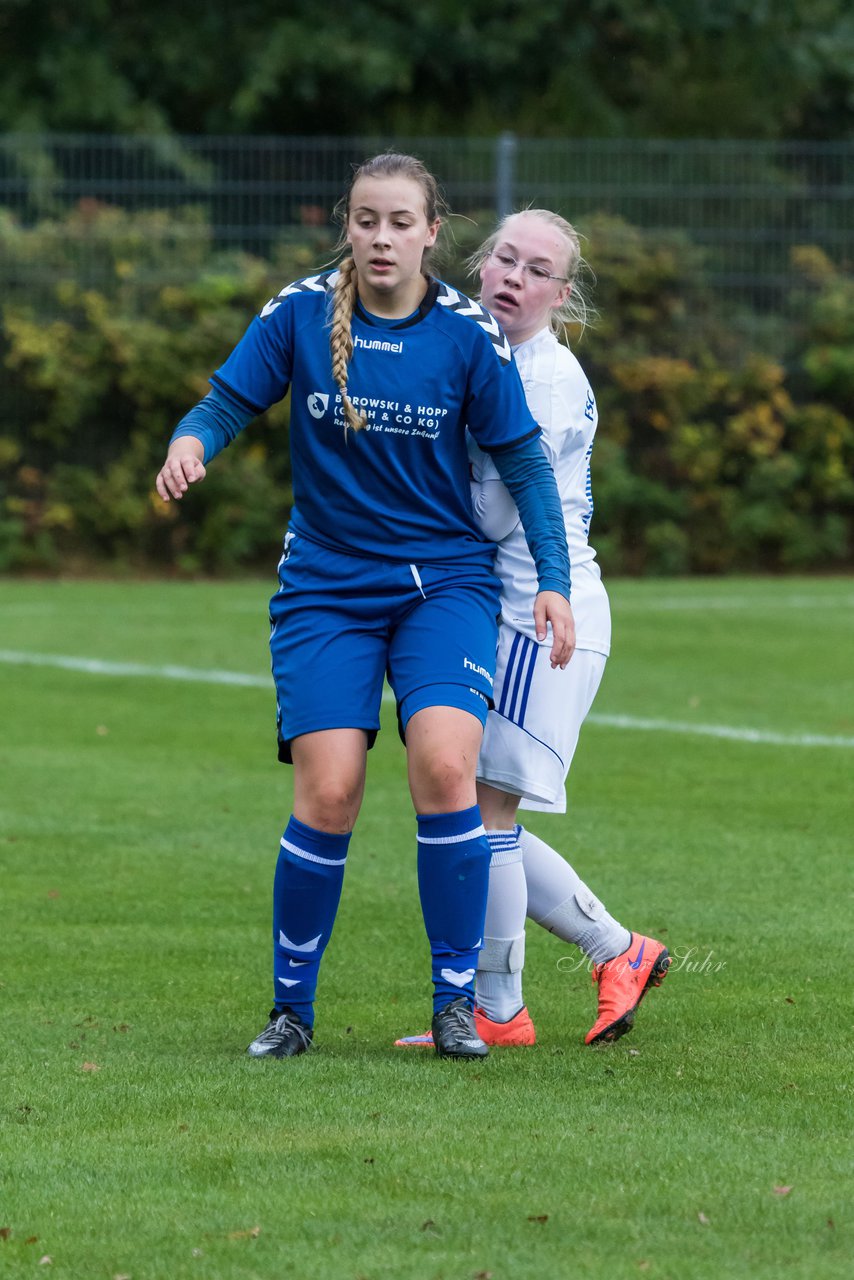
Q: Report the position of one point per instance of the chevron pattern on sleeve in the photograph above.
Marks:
(323, 283)
(464, 306)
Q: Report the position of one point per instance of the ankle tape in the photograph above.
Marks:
(502, 955)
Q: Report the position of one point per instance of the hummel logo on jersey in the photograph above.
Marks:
(636, 964)
(318, 403)
(377, 344)
(464, 306)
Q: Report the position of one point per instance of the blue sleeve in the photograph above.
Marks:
(526, 472)
(216, 421)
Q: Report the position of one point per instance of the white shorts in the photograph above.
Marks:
(530, 738)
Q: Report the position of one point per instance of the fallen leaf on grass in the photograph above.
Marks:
(31, 1240)
(782, 1191)
(253, 1233)
(53, 893)
(429, 1225)
(538, 1217)
(5, 1232)
(831, 1223)
(702, 1218)
(789, 1000)
(90, 1066)
(481, 1275)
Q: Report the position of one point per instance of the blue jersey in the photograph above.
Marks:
(399, 488)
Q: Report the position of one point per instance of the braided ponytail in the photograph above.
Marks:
(341, 340)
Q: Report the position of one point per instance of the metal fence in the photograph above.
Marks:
(744, 204)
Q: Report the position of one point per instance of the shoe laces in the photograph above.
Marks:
(459, 1012)
(288, 1021)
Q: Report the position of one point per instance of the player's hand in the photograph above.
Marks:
(183, 467)
(552, 607)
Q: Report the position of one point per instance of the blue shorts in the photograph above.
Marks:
(340, 624)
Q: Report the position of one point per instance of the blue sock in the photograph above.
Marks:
(453, 878)
(306, 891)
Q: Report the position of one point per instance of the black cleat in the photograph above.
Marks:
(454, 1033)
(284, 1036)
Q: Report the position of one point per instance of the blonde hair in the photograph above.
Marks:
(341, 339)
(576, 308)
(389, 164)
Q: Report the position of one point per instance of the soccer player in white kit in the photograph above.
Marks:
(529, 272)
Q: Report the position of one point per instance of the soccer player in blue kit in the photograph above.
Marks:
(384, 571)
(529, 276)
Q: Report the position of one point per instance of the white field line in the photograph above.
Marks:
(95, 667)
(730, 732)
(198, 675)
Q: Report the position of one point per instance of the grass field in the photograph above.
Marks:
(141, 808)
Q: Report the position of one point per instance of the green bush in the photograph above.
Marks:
(710, 457)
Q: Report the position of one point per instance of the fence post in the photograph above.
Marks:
(505, 173)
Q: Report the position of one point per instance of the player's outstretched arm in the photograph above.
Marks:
(551, 606)
(184, 466)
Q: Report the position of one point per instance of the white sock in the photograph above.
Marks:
(560, 901)
(498, 987)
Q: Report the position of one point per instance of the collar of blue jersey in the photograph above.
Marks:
(427, 303)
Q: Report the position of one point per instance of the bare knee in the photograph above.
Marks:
(329, 779)
(442, 744)
(443, 781)
(328, 804)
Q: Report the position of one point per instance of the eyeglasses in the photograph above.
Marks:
(508, 263)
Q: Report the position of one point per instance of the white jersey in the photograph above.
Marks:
(560, 398)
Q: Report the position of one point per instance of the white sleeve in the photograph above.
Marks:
(559, 397)
(493, 508)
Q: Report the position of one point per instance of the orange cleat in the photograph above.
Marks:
(518, 1031)
(623, 983)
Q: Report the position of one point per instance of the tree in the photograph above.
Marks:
(667, 68)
